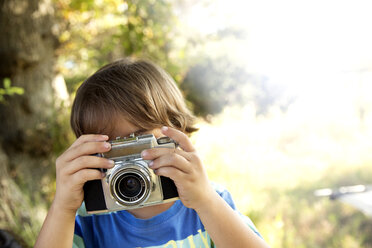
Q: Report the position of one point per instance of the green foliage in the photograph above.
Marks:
(296, 218)
(9, 90)
(82, 5)
(60, 129)
(213, 84)
(98, 32)
(275, 187)
(148, 31)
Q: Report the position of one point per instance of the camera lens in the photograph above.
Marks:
(130, 185)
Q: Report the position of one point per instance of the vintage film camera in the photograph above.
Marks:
(130, 183)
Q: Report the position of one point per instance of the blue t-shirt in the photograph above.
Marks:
(178, 226)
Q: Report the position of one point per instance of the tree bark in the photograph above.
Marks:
(27, 52)
(28, 42)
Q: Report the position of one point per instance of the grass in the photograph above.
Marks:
(272, 165)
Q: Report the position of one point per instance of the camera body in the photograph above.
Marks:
(130, 183)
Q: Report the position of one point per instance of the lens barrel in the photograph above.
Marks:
(130, 184)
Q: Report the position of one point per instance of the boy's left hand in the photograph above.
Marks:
(224, 225)
(184, 167)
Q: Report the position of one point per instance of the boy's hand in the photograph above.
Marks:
(76, 166)
(184, 167)
(224, 225)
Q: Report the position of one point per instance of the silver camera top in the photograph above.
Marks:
(128, 148)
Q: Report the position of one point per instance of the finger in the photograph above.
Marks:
(171, 160)
(86, 162)
(180, 137)
(87, 148)
(85, 175)
(154, 153)
(89, 138)
(170, 172)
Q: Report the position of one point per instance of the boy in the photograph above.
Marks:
(138, 97)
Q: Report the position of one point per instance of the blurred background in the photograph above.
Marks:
(282, 90)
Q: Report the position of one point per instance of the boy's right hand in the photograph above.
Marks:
(77, 166)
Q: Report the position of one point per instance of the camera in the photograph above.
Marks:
(130, 183)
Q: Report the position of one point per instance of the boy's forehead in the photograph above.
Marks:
(121, 127)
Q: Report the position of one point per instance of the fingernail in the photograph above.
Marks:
(164, 128)
(105, 137)
(151, 164)
(110, 162)
(144, 153)
(107, 145)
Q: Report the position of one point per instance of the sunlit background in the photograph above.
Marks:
(282, 90)
(316, 60)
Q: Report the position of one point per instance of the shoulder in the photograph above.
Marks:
(224, 193)
(82, 211)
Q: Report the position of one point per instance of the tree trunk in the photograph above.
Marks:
(27, 56)
(27, 47)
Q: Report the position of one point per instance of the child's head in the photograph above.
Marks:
(141, 92)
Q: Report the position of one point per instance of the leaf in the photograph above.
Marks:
(16, 90)
(9, 90)
(7, 83)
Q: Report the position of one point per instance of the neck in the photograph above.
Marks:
(151, 211)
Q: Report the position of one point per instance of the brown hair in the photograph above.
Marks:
(139, 90)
